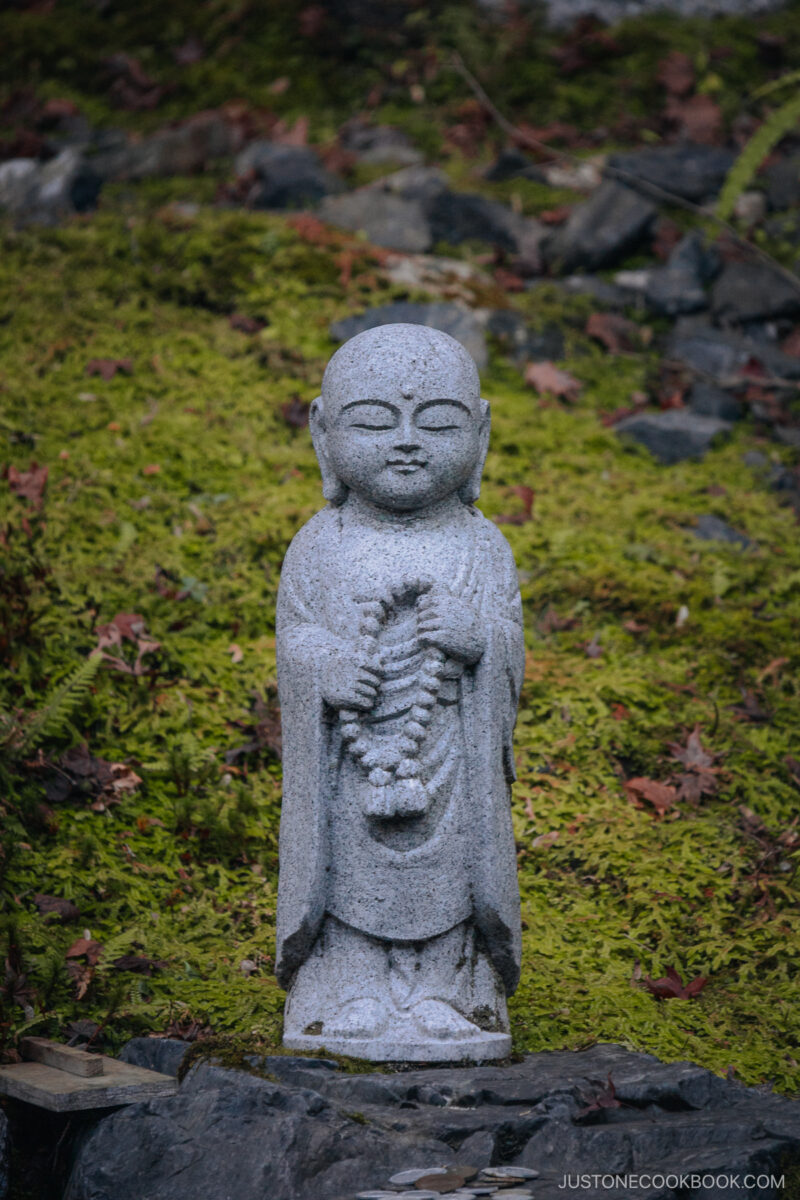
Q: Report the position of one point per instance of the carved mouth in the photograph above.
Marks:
(406, 466)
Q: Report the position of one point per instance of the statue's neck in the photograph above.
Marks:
(359, 509)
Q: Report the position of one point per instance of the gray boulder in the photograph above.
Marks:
(386, 219)
(680, 286)
(46, 193)
(752, 291)
(601, 231)
(459, 322)
(721, 353)
(378, 144)
(302, 1129)
(713, 529)
(520, 341)
(691, 171)
(673, 435)
(712, 401)
(284, 176)
(183, 150)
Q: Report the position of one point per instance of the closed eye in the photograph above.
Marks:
(438, 428)
(360, 425)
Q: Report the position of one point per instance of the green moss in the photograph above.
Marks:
(173, 493)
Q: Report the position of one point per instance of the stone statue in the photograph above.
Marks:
(400, 658)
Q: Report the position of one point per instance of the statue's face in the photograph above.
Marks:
(403, 429)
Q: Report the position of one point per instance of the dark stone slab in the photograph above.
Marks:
(691, 171)
(513, 164)
(47, 193)
(322, 1134)
(713, 529)
(459, 322)
(721, 354)
(395, 222)
(522, 342)
(155, 1054)
(674, 435)
(183, 150)
(284, 176)
(712, 401)
(601, 231)
(751, 292)
(782, 181)
(377, 144)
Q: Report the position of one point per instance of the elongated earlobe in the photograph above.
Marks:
(333, 489)
(469, 491)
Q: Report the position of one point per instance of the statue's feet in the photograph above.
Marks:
(438, 1020)
(362, 1018)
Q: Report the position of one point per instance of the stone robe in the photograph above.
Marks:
(402, 881)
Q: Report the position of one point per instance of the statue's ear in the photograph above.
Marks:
(469, 491)
(332, 487)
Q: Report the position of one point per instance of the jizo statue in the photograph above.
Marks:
(400, 658)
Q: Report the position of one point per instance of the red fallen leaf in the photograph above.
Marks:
(751, 708)
(593, 648)
(551, 622)
(620, 713)
(676, 73)
(634, 626)
(124, 626)
(607, 1098)
(547, 379)
(311, 20)
(140, 964)
(65, 910)
(555, 216)
(692, 755)
(30, 484)
(508, 281)
(58, 108)
(698, 119)
(295, 412)
(665, 238)
(693, 786)
(545, 839)
(85, 947)
(772, 668)
(82, 975)
(660, 795)
(291, 135)
(791, 344)
(235, 651)
(672, 987)
(107, 368)
(526, 495)
(280, 85)
(639, 400)
(245, 324)
(613, 331)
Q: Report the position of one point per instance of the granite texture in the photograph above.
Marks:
(303, 1129)
(400, 656)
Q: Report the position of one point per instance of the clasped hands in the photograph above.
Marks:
(350, 677)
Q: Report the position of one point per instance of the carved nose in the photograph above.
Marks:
(407, 447)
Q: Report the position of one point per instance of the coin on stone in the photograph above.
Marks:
(449, 1181)
(416, 1173)
(499, 1173)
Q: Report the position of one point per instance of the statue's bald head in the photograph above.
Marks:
(404, 359)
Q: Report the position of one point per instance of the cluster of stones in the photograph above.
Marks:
(397, 759)
(458, 1182)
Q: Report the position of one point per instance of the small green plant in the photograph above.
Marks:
(780, 122)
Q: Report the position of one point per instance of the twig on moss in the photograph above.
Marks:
(654, 190)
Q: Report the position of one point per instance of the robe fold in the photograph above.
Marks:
(317, 614)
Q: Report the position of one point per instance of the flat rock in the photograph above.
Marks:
(691, 171)
(601, 231)
(721, 354)
(386, 219)
(751, 292)
(782, 181)
(713, 529)
(227, 1133)
(457, 217)
(284, 176)
(513, 164)
(182, 150)
(459, 322)
(378, 144)
(523, 342)
(712, 401)
(673, 435)
(46, 193)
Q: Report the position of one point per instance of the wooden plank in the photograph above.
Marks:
(63, 1058)
(58, 1091)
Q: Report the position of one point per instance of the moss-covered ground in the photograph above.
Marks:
(173, 490)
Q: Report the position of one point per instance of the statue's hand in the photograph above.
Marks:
(349, 679)
(450, 624)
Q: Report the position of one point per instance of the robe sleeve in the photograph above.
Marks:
(491, 693)
(302, 640)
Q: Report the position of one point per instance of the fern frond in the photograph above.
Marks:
(775, 85)
(764, 140)
(51, 721)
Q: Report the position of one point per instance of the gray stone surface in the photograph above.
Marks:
(673, 435)
(720, 354)
(46, 193)
(400, 656)
(694, 172)
(284, 176)
(782, 181)
(378, 144)
(753, 291)
(386, 219)
(713, 529)
(322, 1134)
(459, 322)
(712, 401)
(566, 12)
(601, 231)
(523, 343)
(183, 150)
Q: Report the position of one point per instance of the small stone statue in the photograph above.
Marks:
(400, 658)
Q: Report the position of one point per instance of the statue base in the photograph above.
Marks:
(482, 1047)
